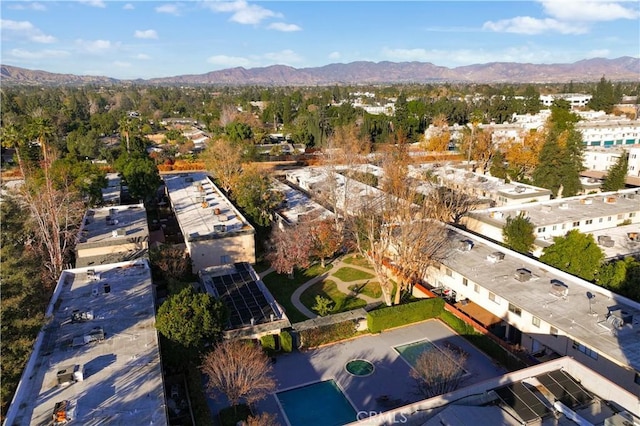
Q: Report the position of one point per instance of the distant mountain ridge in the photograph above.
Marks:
(625, 68)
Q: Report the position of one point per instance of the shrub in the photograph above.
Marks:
(328, 334)
(268, 342)
(286, 341)
(399, 315)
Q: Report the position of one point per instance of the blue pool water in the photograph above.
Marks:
(412, 351)
(318, 404)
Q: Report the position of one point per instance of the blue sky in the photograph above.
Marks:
(146, 39)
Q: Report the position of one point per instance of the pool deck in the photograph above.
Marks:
(391, 376)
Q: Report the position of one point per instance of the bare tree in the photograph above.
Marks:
(240, 370)
(448, 205)
(440, 136)
(228, 114)
(173, 261)
(263, 419)
(439, 370)
(289, 247)
(325, 239)
(224, 161)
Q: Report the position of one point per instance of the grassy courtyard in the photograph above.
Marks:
(328, 289)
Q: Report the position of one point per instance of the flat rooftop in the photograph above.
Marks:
(486, 183)
(113, 225)
(567, 210)
(298, 205)
(625, 240)
(202, 211)
(122, 375)
(111, 194)
(570, 312)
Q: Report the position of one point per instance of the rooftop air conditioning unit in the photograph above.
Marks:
(633, 236)
(564, 206)
(523, 275)
(610, 200)
(482, 179)
(465, 245)
(496, 215)
(496, 256)
(221, 227)
(520, 189)
(586, 201)
(605, 241)
(593, 180)
(449, 171)
(558, 288)
(620, 316)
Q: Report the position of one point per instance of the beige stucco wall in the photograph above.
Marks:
(120, 248)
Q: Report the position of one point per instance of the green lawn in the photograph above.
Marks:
(327, 288)
(370, 288)
(357, 260)
(281, 287)
(347, 274)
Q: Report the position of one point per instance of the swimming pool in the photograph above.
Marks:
(317, 404)
(411, 352)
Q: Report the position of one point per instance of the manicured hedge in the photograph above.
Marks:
(396, 316)
(286, 341)
(268, 342)
(327, 334)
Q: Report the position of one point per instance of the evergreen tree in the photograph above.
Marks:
(518, 235)
(575, 253)
(604, 97)
(616, 175)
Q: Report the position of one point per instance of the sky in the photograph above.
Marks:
(148, 39)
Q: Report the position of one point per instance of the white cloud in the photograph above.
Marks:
(599, 53)
(588, 10)
(142, 57)
(524, 54)
(27, 6)
(335, 55)
(284, 27)
(286, 57)
(26, 54)
(128, 6)
(171, 9)
(26, 30)
(242, 12)
(531, 26)
(93, 3)
(147, 34)
(95, 46)
(229, 61)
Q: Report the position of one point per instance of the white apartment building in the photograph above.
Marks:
(554, 218)
(542, 309)
(577, 100)
(602, 159)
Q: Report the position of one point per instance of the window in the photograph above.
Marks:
(465, 281)
(601, 219)
(535, 321)
(585, 350)
(449, 272)
(476, 288)
(553, 331)
(620, 216)
(554, 227)
(494, 298)
(576, 224)
(609, 219)
(589, 222)
(632, 214)
(564, 225)
(515, 310)
(224, 259)
(541, 230)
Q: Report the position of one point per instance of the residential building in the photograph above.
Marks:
(111, 194)
(253, 312)
(96, 359)
(576, 100)
(541, 309)
(601, 159)
(297, 206)
(215, 233)
(554, 218)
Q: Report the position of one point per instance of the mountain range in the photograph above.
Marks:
(621, 69)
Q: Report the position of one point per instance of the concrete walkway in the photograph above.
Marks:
(341, 285)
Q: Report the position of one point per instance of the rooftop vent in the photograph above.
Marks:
(633, 236)
(113, 212)
(520, 189)
(558, 288)
(610, 200)
(605, 241)
(523, 275)
(586, 201)
(482, 179)
(449, 171)
(593, 180)
(465, 245)
(631, 196)
(221, 227)
(496, 256)
(618, 318)
(69, 374)
(496, 215)
(564, 206)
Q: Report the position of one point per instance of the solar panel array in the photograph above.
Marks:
(242, 296)
(524, 402)
(565, 389)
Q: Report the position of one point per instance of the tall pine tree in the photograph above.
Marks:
(617, 173)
